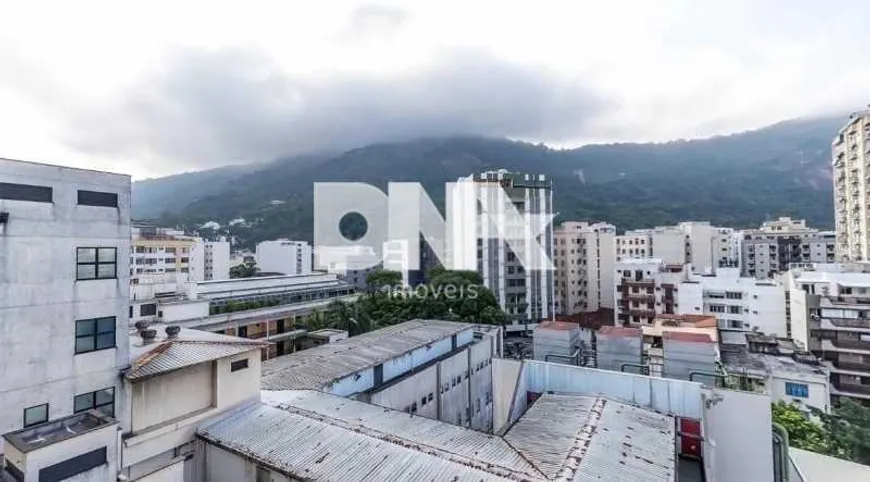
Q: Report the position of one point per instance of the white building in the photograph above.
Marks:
(64, 289)
(284, 256)
(164, 255)
(583, 256)
(216, 260)
(830, 315)
(850, 156)
(776, 245)
(741, 304)
(644, 288)
(703, 246)
(526, 295)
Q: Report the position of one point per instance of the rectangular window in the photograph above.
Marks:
(243, 332)
(732, 295)
(74, 466)
(36, 415)
(717, 309)
(25, 192)
(96, 263)
(149, 309)
(99, 199)
(239, 365)
(263, 475)
(95, 334)
(797, 390)
(102, 400)
(734, 310)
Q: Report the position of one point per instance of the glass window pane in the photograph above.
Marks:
(105, 340)
(84, 344)
(83, 402)
(85, 327)
(107, 255)
(86, 255)
(34, 415)
(86, 271)
(106, 271)
(105, 325)
(108, 409)
(105, 396)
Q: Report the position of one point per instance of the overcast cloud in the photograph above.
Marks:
(177, 86)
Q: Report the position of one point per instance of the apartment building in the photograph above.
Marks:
(850, 157)
(216, 260)
(776, 245)
(741, 304)
(64, 293)
(645, 288)
(526, 295)
(163, 254)
(583, 256)
(703, 246)
(283, 256)
(830, 315)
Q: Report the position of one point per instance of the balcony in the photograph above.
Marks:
(851, 344)
(641, 312)
(849, 388)
(851, 366)
(643, 297)
(846, 323)
(641, 283)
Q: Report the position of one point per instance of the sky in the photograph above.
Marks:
(167, 87)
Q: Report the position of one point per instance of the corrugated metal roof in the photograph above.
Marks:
(318, 436)
(318, 366)
(416, 431)
(310, 449)
(190, 348)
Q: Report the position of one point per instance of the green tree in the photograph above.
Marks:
(803, 432)
(246, 270)
(848, 431)
(379, 279)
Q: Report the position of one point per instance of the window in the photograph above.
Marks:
(95, 334)
(717, 308)
(149, 309)
(243, 332)
(423, 401)
(238, 365)
(96, 263)
(734, 310)
(25, 192)
(74, 466)
(732, 295)
(36, 415)
(102, 400)
(796, 390)
(430, 397)
(263, 475)
(414, 407)
(100, 199)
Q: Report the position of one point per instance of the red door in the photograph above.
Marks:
(690, 437)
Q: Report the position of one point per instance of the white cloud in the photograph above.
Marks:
(101, 84)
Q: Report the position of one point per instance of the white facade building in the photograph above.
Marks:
(216, 260)
(703, 246)
(740, 304)
(526, 295)
(64, 289)
(850, 152)
(284, 256)
(584, 259)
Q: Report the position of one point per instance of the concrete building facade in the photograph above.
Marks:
(776, 245)
(64, 291)
(645, 288)
(700, 244)
(850, 159)
(526, 295)
(583, 256)
(284, 256)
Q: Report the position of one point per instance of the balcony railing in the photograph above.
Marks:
(852, 388)
(641, 297)
(849, 322)
(853, 344)
(642, 282)
(645, 313)
(852, 366)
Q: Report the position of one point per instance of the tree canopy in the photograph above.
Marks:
(844, 433)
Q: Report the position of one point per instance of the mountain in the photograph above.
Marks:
(737, 180)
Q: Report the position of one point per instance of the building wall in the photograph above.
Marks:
(40, 299)
(505, 374)
(738, 440)
(217, 260)
(412, 394)
(817, 389)
(284, 256)
(162, 398)
(225, 466)
(849, 160)
(584, 257)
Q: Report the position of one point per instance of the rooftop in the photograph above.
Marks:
(558, 325)
(626, 331)
(739, 358)
(815, 467)
(48, 433)
(316, 367)
(563, 437)
(189, 348)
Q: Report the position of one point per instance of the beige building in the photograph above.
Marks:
(584, 257)
(700, 244)
(644, 289)
(850, 152)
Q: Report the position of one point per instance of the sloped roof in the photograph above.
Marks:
(191, 347)
(564, 437)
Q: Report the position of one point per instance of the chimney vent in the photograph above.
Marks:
(148, 335)
(172, 331)
(141, 325)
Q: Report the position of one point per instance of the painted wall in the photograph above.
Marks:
(172, 395)
(224, 466)
(738, 437)
(505, 374)
(412, 394)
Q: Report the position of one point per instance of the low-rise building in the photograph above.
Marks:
(285, 256)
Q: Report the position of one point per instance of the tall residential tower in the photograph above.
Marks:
(850, 152)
